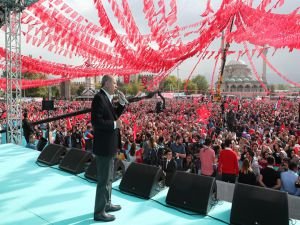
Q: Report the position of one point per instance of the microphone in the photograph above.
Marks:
(122, 96)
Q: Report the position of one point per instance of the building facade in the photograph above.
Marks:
(238, 79)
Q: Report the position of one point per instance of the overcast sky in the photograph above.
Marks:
(189, 12)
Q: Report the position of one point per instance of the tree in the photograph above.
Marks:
(132, 88)
(282, 87)
(35, 92)
(55, 91)
(201, 82)
(171, 83)
(271, 88)
(191, 86)
(80, 89)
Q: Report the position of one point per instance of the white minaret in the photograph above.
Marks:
(89, 83)
(264, 74)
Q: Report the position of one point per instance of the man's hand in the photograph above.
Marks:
(122, 98)
(119, 124)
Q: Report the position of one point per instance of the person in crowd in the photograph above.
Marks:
(284, 166)
(207, 159)
(106, 126)
(131, 156)
(178, 150)
(276, 153)
(245, 148)
(88, 137)
(169, 166)
(228, 167)
(294, 157)
(254, 162)
(27, 128)
(67, 139)
(189, 165)
(146, 148)
(160, 148)
(139, 155)
(269, 177)
(289, 179)
(255, 149)
(151, 149)
(76, 138)
(59, 137)
(246, 174)
(263, 161)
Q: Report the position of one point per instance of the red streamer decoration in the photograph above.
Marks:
(262, 84)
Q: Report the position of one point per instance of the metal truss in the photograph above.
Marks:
(12, 25)
(12, 21)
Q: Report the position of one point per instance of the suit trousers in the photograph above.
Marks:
(105, 171)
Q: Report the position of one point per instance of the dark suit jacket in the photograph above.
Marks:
(27, 128)
(170, 170)
(106, 139)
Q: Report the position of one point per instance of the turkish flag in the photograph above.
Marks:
(126, 79)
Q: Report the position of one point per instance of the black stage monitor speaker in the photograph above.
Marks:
(141, 180)
(119, 170)
(253, 205)
(91, 171)
(47, 105)
(191, 191)
(52, 154)
(41, 144)
(75, 161)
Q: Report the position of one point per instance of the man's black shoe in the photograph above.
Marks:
(112, 208)
(104, 217)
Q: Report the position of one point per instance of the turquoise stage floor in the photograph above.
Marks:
(35, 195)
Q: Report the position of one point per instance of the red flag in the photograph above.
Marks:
(282, 127)
(69, 125)
(126, 79)
(203, 114)
(134, 131)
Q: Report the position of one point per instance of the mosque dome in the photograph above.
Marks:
(235, 62)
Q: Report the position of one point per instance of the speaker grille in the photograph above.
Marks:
(141, 180)
(256, 205)
(191, 191)
(91, 171)
(52, 154)
(75, 161)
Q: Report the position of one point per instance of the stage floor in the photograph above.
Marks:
(30, 194)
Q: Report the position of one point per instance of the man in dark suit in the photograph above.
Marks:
(169, 167)
(106, 126)
(27, 128)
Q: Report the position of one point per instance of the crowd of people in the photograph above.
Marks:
(250, 141)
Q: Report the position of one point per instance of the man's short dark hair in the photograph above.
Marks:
(293, 165)
(160, 139)
(228, 142)
(167, 150)
(207, 141)
(178, 137)
(270, 160)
